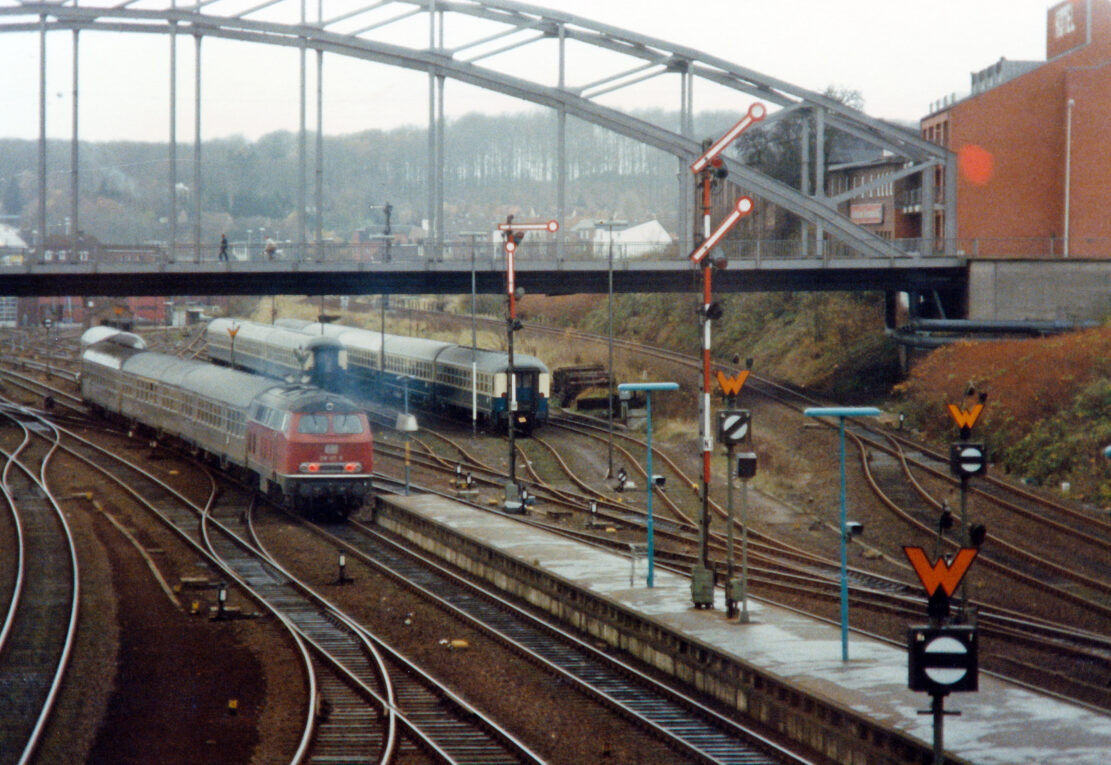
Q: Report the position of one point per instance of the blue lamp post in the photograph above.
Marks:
(841, 412)
(647, 388)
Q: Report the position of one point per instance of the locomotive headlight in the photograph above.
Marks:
(309, 467)
(353, 467)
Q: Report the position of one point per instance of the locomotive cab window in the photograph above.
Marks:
(347, 424)
(313, 424)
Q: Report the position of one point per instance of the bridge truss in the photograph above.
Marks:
(481, 31)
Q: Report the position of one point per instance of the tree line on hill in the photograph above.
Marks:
(492, 165)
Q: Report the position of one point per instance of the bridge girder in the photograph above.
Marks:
(328, 36)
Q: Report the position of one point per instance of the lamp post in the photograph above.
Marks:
(841, 412)
(648, 388)
(610, 225)
(1068, 166)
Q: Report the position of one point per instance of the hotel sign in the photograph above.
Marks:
(866, 213)
(1067, 27)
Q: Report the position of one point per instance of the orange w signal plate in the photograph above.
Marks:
(941, 573)
(731, 386)
(965, 418)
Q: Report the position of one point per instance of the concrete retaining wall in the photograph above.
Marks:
(1039, 290)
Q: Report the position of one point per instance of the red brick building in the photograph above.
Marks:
(874, 209)
(1032, 143)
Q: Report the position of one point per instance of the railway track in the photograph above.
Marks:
(380, 687)
(688, 726)
(786, 569)
(1079, 580)
(41, 619)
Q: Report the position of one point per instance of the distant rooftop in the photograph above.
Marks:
(1000, 72)
(9, 237)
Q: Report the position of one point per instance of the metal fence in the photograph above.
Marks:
(489, 253)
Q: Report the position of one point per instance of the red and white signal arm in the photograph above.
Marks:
(756, 112)
(551, 226)
(740, 210)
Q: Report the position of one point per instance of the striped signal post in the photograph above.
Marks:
(708, 166)
(709, 312)
(233, 330)
(966, 460)
(514, 233)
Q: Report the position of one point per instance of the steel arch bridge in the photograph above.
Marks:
(369, 30)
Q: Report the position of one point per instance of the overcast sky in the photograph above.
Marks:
(900, 55)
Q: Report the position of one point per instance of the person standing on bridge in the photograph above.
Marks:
(223, 246)
(270, 248)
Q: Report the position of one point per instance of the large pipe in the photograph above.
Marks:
(915, 334)
(995, 325)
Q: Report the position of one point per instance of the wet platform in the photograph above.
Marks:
(779, 653)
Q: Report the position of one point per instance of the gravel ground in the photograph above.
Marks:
(148, 681)
(546, 713)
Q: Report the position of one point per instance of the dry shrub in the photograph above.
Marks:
(1026, 380)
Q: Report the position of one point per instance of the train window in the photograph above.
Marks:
(347, 423)
(313, 424)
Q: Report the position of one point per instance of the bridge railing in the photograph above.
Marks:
(491, 255)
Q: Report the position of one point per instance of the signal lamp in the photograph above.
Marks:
(977, 534)
(712, 312)
(946, 520)
(718, 259)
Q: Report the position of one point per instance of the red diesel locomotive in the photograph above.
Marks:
(309, 449)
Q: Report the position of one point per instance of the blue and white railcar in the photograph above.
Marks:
(435, 374)
(485, 388)
(276, 352)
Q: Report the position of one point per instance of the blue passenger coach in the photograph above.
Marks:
(436, 375)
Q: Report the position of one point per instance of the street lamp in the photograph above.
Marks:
(841, 412)
(649, 482)
(611, 225)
